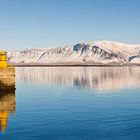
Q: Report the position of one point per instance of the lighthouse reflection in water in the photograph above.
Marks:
(7, 107)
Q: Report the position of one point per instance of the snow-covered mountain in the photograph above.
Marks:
(98, 52)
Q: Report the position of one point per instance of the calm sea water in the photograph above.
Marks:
(74, 104)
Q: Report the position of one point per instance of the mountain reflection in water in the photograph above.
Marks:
(97, 78)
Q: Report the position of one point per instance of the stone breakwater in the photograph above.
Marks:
(7, 79)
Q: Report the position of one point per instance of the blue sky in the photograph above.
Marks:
(54, 23)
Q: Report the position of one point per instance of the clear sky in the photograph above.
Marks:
(54, 23)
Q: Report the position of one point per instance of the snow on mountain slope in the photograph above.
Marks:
(99, 52)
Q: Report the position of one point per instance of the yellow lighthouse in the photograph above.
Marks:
(7, 73)
(3, 59)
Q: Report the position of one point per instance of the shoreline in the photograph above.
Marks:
(76, 65)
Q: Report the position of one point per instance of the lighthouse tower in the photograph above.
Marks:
(3, 59)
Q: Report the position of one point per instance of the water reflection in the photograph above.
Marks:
(97, 78)
(7, 106)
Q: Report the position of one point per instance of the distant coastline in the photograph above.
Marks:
(76, 65)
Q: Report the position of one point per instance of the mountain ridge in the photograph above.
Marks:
(98, 52)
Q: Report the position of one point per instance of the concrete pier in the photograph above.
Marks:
(7, 79)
